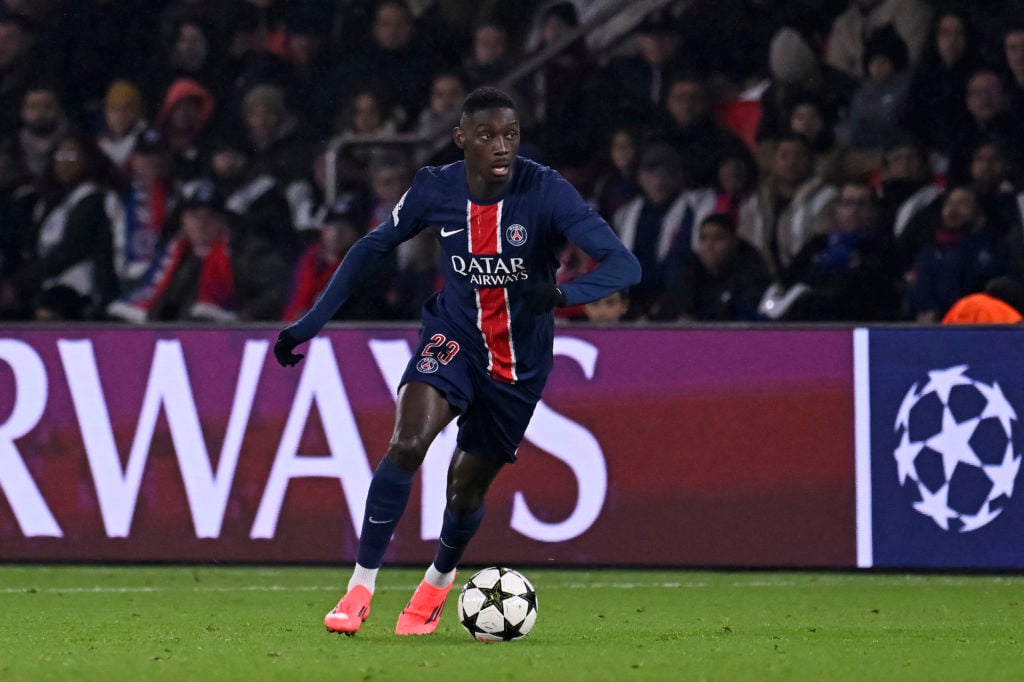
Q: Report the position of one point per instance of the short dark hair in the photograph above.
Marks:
(722, 220)
(790, 136)
(486, 97)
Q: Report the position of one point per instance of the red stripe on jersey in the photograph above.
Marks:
(493, 316)
(494, 321)
(484, 229)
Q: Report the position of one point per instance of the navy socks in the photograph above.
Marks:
(456, 532)
(385, 503)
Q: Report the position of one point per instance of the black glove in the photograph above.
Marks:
(544, 297)
(283, 350)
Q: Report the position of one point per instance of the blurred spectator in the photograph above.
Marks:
(254, 196)
(279, 145)
(792, 205)
(845, 274)
(219, 15)
(608, 310)
(616, 183)
(1013, 56)
(209, 271)
(641, 80)
(795, 70)
(653, 222)
(43, 124)
(846, 43)
(735, 183)
(834, 161)
(366, 114)
(188, 54)
(488, 59)
(17, 198)
(935, 98)
(878, 104)
(989, 115)
(447, 91)
(73, 220)
(721, 280)
(183, 120)
(393, 62)
(148, 200)
(341, 228)
(305, 50)
(959, 259)
(123, 122)
(990, 180)
(18, 68)
(416, 260)
(691, 130)
(907, 186)
(558, 94)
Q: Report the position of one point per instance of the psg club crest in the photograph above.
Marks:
(427, 365)
(516, 235)
(956, 450)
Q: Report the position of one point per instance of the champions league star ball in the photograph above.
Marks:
(498, 605)
(956, 449)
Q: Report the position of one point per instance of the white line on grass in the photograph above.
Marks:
(312, 588)
(787, 582)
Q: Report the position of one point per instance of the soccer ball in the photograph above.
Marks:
(956, 449)
(498, 605)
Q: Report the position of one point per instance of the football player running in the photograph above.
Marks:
(485, 347)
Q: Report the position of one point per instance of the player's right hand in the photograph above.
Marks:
(283, 349)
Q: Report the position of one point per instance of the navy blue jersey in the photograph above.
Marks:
(494, 250)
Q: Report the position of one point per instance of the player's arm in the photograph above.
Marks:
(617, 267)
(365, 255)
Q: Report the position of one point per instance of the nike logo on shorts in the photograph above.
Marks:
(373, 520)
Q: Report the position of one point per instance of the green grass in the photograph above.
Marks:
(225, 623)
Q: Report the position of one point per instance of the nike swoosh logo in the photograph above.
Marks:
(373, 520)
(445, 232)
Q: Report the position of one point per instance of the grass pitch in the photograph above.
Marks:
(225, 623)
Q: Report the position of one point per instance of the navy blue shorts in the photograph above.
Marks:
(493, 416)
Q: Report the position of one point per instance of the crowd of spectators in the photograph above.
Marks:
(797, 160)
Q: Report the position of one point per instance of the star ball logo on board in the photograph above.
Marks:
(956, 450)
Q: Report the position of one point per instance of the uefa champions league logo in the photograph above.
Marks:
(956, 449)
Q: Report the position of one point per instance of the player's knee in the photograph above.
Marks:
(407, 452)
(464, 499)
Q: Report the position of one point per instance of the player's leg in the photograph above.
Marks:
(422, 412)
(469, 477)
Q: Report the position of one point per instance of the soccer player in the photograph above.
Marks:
(485, 347)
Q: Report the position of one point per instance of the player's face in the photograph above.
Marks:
(490, 142)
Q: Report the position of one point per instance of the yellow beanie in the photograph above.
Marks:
(125, 94)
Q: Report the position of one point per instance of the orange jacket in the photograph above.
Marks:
(981, 309)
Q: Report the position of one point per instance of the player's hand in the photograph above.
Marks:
(544, 297)
(283, 349)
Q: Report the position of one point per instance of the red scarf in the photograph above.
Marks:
(216, 280)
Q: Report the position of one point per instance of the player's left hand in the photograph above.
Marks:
(544, 297)
(283, 349)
